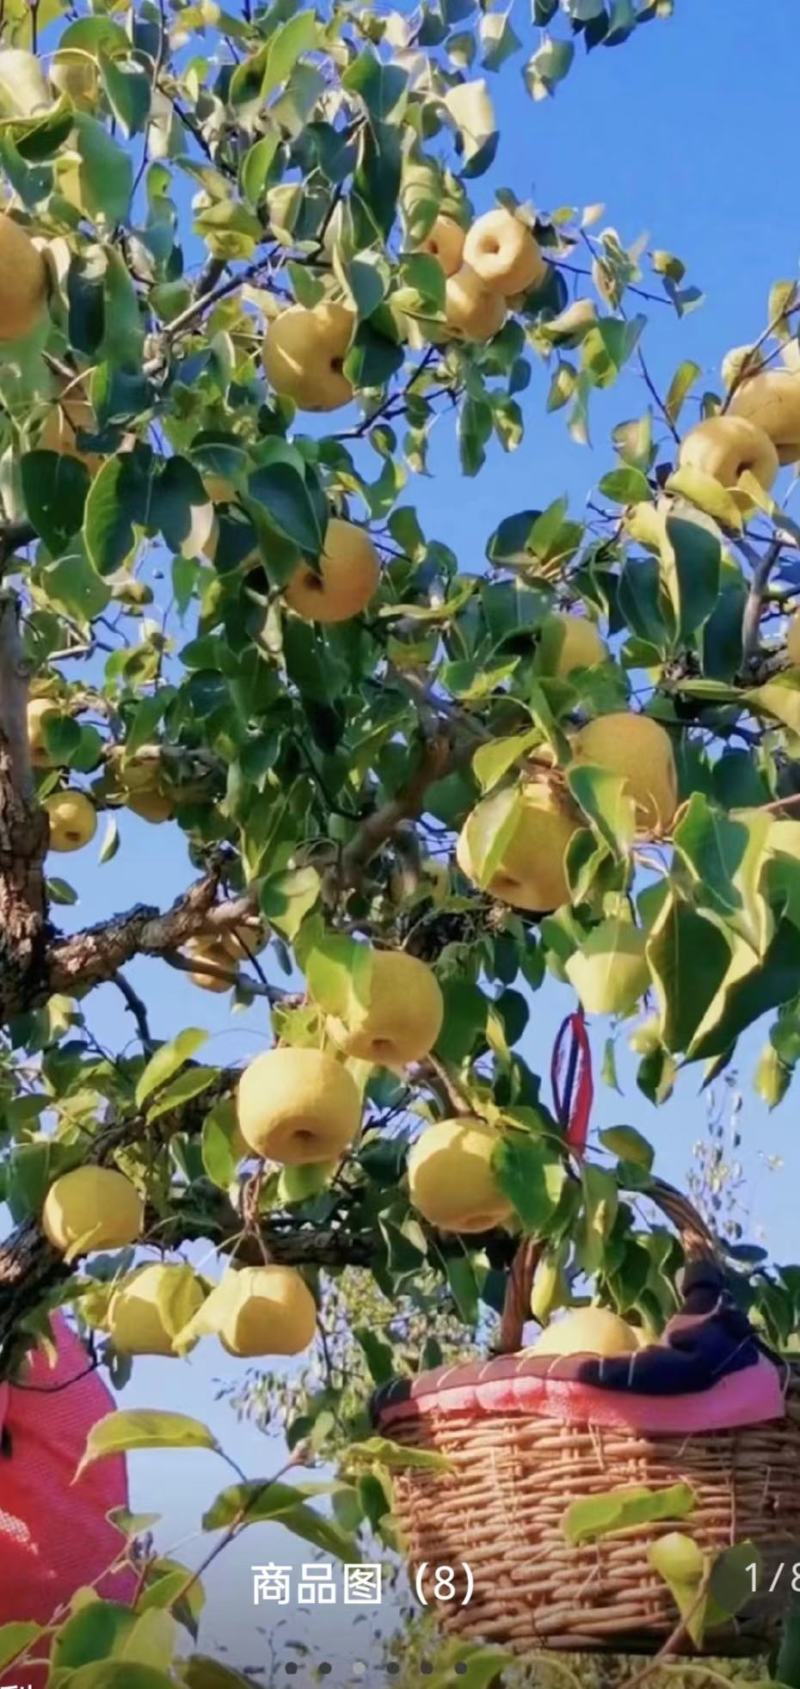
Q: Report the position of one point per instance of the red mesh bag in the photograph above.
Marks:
(54, 1534)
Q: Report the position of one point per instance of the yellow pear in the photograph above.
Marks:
(445, 241)
(74, 73)
(348, 576)
(38, 708)
(790, 353)
(95, 1207)
(771, 400)
(206, 949)
(586, 1331)
(73, 820)
(640, 750)
(298, 1105)
(793, 640)
(726, 446)
(532, 873)
(471, 311)
(403, 1018)
(450, 1177)
(242, 942)
(23, 281)
(304, 350)
(570, 642)
(264, 1311)
(151, 1306)
(154, 806)
(503, 253)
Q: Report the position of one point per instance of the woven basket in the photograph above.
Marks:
(499, 1511)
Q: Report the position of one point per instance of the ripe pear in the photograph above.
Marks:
(243, 941)
(610, 971)
(403, 1018)
(471, 311)
(349, 575)
(445, 241)
(726, 446)
(793, 640)
(95, 1207)
(771, 400)
(450, 1177)
(23, 281)
(264, 1311)
(73, 820)
(587, 1331)
(532, 873)
(503, 253)
(153, 806)
(74, 73)
(297, 1105)
(790, 353)
(304, 350)
(639, 749)
(570, 642)
(204, 949)
(136, 1314)
(38, 708)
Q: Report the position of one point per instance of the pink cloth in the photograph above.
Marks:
(740, 1398)
(54, 1534)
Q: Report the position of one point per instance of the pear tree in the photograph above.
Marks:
(246, 270)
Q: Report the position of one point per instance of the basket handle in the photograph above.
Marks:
(699, 1244)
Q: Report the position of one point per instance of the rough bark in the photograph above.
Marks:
(23, 831)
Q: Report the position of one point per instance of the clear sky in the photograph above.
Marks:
(686, 133)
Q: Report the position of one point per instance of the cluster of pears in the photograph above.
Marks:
(532, 872)
(71, 814)
(299, 1106)
(163, 1308)
(489, 267)
(759, 431)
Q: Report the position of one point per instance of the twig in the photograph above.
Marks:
(376, 828)
(630, 287)
(751, 617)
(137, 1009)
(653, 390)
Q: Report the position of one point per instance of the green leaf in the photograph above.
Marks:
(298, 35)
(284, 493)
(609, 970)
(144, 1428)
(339, 972)
(489, 830)
(201, 1672)
(119, 499)
(106, 171)
(689, 959)
(190, 1084)
(167, 1061)
(595, 1516)
(396, 1457)
(626, 486)
(606, 804)
(255, 1501)
(54, 487)
(72, 583)
(255, 167)
(128, 87)
(692, 574)
(641, 601)
(221, 1145)
(680, 386)
(95, 1632)
(628, 1144)
(708, 494)
(383, 87)
(469, 104)
(600, 1205)
(494, 759)
(548, 66)
(120, 1674)
(725, 856)
(287, 898)
(16, 1638)
(532, 1175)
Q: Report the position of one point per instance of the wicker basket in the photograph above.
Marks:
(499, 1512)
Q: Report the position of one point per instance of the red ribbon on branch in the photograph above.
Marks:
(572, 1082)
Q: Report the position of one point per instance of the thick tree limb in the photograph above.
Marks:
(23, 828)
(96, 955)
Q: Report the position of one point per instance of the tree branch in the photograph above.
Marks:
(23, 825)
(435, 762)
(751, 617)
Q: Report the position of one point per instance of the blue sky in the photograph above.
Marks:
(682, 139)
